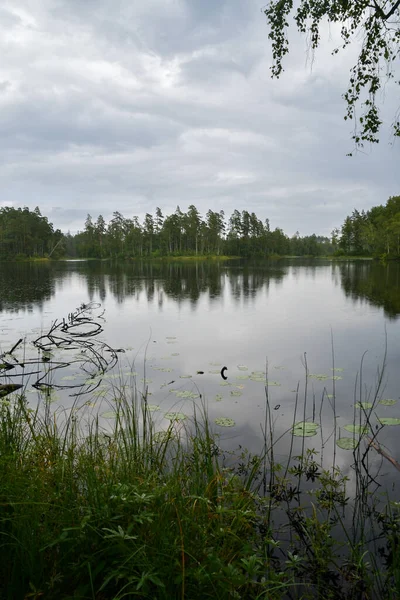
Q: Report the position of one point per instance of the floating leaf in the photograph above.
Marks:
(214, 372)
(388, 402)
(146, 380)
(236, 393)
(274, 383)
(225, 383)
(347, 443)
(161, 437)
(109, 414)
(242, 376)
(242, 368)
(258, 374)
(175, 416)
(175, 354)
(305, 429)
(215, 364)
(69, 378)
(153, 407)
(185, 376)
(319, 376)
(186, 394)
(336, 377)
(258, 379)
(240, 386)
(338, 369)
(364, 405)
(170, 337)
(224, 422)
(218, 398)
(388, 421)
(330, 396)
(361, 429)
(165, 370)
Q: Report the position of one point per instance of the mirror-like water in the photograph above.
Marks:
(174, 319)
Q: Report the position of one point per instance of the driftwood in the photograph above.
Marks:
(382, 452)
(78, 332)
(9, 388)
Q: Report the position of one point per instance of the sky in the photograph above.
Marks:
(129, 105)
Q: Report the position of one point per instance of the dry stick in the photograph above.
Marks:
(382, 452)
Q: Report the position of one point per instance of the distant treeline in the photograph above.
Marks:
(27, 234)
(189, 234)
(372, 233)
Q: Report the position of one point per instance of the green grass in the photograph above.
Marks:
(102, 514)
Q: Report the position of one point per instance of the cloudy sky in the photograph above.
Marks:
(132, 104)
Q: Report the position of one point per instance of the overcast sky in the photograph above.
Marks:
(132, 104)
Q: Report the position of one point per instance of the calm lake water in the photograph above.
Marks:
(176, 318)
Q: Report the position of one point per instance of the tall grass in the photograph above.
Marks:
(91, 513)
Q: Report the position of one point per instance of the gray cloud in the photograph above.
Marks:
(131, 105)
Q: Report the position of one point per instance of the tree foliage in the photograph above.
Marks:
(372, 233)
(378, 22)
(25, 233)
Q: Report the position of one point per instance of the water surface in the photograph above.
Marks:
(174, 319)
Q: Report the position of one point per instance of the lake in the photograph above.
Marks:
(174, 319)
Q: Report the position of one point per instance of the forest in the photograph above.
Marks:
(373, 233)
(27, 234)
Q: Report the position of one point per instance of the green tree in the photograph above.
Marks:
(378, 23)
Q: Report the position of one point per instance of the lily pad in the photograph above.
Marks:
(273, 383)
(225, 383)
(175, 354)
(161, 437)
(186, 394)
(170, 337)
(175, 416)
(109, 414)
(347, 443)
(242, 368)
(236, 393)
(318, 376)
(215, 364)
(388, 402)
(242, 376)
(305, 429)
(146, 380)
(257, 378)
(336, 377)
(338, 370)
(388, 421)
(365, 405)
(153, 407)
(361, 429)
(224, 422)
(185, 376)
(214, 371)
(218, 397)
